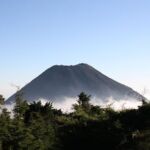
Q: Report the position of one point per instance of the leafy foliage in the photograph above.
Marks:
(41, 127)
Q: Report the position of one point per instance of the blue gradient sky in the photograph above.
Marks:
(111, 35)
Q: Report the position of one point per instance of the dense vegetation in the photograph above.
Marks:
(41, 127)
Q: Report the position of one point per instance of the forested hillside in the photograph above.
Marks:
(41, 127)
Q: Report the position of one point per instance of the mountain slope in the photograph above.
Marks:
(68, 81)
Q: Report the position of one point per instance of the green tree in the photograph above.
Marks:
(83, 102)
(2, 100)
(5, 123)
(21, 106)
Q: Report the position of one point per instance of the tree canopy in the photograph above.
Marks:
(41, 127)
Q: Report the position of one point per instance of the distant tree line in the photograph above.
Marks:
(41, 127)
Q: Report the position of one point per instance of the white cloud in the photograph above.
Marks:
(66, 104)
(118, 104)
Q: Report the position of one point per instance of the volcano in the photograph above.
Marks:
(61, 81)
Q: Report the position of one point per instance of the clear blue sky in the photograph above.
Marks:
(111, 35)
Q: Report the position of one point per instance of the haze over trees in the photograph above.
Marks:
(41, 127)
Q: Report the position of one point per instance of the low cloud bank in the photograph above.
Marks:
(66, 104)
(118, 104)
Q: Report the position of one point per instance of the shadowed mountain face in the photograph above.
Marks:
(68, 81)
